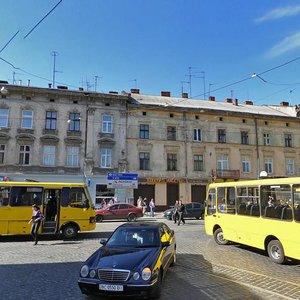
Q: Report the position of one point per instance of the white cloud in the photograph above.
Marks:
(289, 43)
(278, 13)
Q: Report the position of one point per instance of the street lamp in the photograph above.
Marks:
(256, 75)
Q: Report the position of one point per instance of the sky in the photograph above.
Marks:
(202, 47)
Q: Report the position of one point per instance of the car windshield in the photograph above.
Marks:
(134, 237)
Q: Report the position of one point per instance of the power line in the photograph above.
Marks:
(9, 41)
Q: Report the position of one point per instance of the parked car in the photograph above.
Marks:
(119, 211)
(132, 262)
(193, 210)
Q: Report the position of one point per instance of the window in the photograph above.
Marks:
(269, 165)
(222, 162)
(27, 119)
(290, 167)
(72, 156)
(248, 201)
(74, 197)
(198, 162)
(221, 136)
(144, 160)
(246, 165)
(74, 122)
(24, 155)
(107, 124)
(49, 155)
(171, 133)
(144, 131)
(171, 162)
(2, 151)
(25, 196)
(105, 157)
(4, 117)
(267, 139)
(4, 195)
(244, 138)
(51, 119)
(288, 140)
(197, 135)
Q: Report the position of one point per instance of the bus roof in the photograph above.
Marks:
(45, 184)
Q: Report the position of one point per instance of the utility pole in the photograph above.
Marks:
(54, 54)
(96, 81)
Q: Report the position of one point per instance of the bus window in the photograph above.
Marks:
(296, 204)
(74, 197)
(25, 196)
(4, 196)
(221, 201)
(248, 201)
(231, 200)
(211, 202)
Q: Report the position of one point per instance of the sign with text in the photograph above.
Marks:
(122, 181)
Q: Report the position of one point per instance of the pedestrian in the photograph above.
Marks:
(144, 204)
(175, 212)
(152, 207)
(35, 221)
(139, 202)
(111, 201)
(103, 203)
(181, 211)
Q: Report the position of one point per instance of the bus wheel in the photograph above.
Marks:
(69, 231)
(219, 237)
(276, 252)
(99, 218)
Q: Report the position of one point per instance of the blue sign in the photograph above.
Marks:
(122, 176)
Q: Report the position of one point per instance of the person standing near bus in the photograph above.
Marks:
(35, 221)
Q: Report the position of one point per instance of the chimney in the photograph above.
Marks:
(135, 91)
(80, 89)
(228, 100)
(235, 102)
(284, 103)
(62, 87)
(165, 94)
(184, 95)
(28, 82)
(248, 102)
(211, 98)
(113, 92)
(20, 82)
(49, 85)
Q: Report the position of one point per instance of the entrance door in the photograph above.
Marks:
(51, 210)
(198, 193)
(145, 191)
(172, 193)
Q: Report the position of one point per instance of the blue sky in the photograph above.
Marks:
(152, 45)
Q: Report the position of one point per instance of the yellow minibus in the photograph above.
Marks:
(67, 207)
(264, 214)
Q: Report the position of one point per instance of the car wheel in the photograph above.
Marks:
(99, 218)
(276, 252)
(70, 231)
(197, 218)
(131, 218)
(219, 237)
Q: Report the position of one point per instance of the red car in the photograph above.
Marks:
(119, 211)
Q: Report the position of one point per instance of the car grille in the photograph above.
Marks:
(113, 275)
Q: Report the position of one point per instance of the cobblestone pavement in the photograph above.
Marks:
(204, 270)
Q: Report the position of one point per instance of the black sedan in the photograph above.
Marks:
(132, 262)
(192, 210)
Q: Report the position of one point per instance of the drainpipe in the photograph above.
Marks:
(257, 149)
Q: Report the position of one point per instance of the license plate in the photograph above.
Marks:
(111, 287)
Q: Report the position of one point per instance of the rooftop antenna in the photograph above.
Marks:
(96, 82)
(54, 54)
(135, 82)
(194, 75)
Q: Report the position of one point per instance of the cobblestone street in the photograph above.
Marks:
(204, 270)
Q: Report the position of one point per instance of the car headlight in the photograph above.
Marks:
(146, 274)
(92, 273)
(136, 276)
(84, 272)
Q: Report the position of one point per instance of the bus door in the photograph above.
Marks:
(210, 211)
(51, 210)
(4, 209)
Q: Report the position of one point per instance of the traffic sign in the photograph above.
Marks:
(122, 180)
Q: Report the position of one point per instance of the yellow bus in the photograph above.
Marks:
(67, 207)
(264, 214)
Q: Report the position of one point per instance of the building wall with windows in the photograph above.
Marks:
(62, 135)
(189, 143)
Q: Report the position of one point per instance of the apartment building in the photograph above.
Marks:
(179, 145)
(58, 134)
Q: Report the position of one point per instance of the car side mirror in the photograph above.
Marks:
(165, 244)
(103, 242)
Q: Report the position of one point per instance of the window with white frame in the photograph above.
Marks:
(290, 167)
(197, 135)
(269, 165)
(51, 120)
(27, 119)
(246, 165)
(2, 152)
(49, 155)
(72, 156)
(198, 162)
(107, 124)
(105, 157)
(267, 139)
(222, 162)
(4, 117)
(24, 154)
(74, 122)
(144, 160)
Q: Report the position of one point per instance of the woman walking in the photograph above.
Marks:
(36, 220)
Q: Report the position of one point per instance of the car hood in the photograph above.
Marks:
(123, 258)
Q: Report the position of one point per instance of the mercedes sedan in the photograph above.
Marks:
(132, 262)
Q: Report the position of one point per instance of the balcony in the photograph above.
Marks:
(225, 174)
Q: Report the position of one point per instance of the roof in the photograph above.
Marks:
(207, 105)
